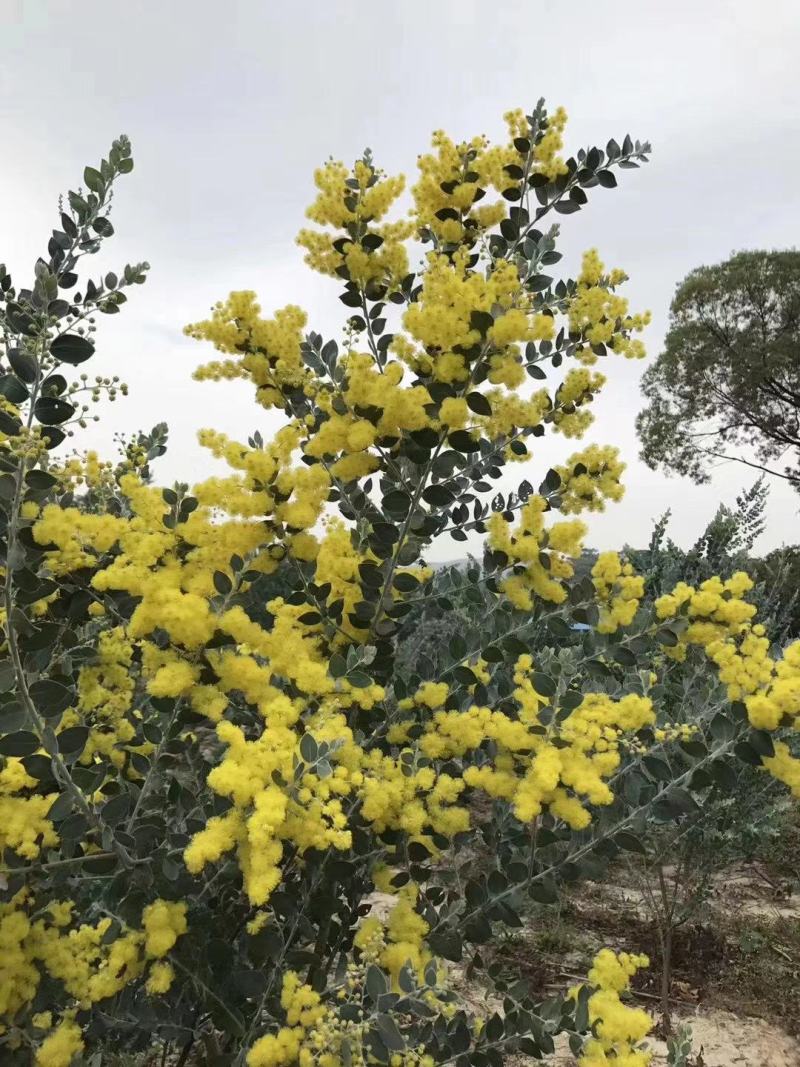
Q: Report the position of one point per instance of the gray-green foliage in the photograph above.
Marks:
(727, 545)
(124, 825)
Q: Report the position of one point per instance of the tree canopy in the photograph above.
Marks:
(727, 384)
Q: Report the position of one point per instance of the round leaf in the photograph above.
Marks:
(71, 348)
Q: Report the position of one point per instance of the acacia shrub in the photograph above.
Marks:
(204, 781)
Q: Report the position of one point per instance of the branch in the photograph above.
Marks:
(791, 478)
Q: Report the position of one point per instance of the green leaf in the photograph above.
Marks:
(658, 768)
(359, 679)
(482, 321)
(222, 582)
(463, 441)
(437, 495)
(389, 1032)
(747, 753)
(51, 410)
(337, 666)
(9, 424)
(370, 575)
(762, 743)
(39, 767)
(397, 503)
(629, 842)
(544, 684)
(465, 676)
(52, 436)
(71, 348)
(376, 982)
(40, 480)
(61, 807)
(93, 179)
(724, 775)
(494, 1028)
(73, 740)
(478, 403)
(447, 943)
(23, 364)
(386, 532)
(51, 698)
(13, 389)
(406, 583)
(558, 627)
(624, 656)
(677, 802)
(54, 385)
(115, 809)
(12, 717)
(457, 647)
(21, 743)
(544, 892)
(309, 749)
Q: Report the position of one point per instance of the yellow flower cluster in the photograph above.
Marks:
(402, 409)
(600, 316)
(454, 177)
(716, 611)
(269, 349)
(24, 826)
(105, 695)
(304, 1010)
(546, 152)
(87, 960)
(413, 802)
(779, 700)
(720, 621)
(617, 1028)
(350, 201)
(619, 590)
(264, 813)
(164, 922)
(61, 1045)
(442, 319)
(675, 731)
(571, 416)
(559, 767)
(399, 941)
(589, 478)
(88, 470)
(541, 557)
(317, 1035)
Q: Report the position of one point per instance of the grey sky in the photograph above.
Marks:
(231, 106)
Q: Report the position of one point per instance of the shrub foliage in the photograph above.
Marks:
(233, 814)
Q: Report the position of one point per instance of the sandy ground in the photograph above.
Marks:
(727, 1041)
(748, 889)
(720, 1038)
(743, 890)
(723, 1040)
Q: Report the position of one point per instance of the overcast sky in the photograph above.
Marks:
(230, 106)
